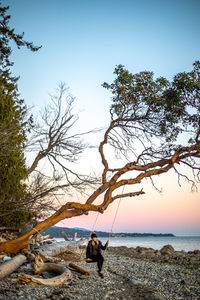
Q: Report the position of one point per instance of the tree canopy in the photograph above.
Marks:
(155, 113)
(8, 35)
(155, 126)
(14, 124)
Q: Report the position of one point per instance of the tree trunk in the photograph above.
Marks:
(66, 211)
(10, 266)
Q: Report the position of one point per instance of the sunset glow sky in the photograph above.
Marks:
(82, 42)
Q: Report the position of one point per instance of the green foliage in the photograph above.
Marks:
(13, 192)
(7, 35)
(159, 107)
(14, 208)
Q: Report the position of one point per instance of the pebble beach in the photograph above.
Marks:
(129, 273)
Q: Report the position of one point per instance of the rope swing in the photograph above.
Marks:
(116, 212)
(115, 216)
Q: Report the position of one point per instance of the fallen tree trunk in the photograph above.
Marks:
(10, 266)
(79, 269)
(65, 275)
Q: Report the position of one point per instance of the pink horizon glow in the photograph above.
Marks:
(174, 211)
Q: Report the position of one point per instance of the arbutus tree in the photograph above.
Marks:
(155, 126)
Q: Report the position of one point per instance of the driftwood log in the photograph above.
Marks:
(69, 250)
(79, 269)
(64, 275)
(57, 248)
(64, 235)
(10, 266)
(75, 236)
(42, 258)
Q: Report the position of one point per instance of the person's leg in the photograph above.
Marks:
(100, 261)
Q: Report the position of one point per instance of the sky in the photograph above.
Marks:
(82, 42)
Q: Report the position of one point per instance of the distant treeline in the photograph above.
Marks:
(55, 231)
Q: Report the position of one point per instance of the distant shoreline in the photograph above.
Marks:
(55, 231)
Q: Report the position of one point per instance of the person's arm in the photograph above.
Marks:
(88, 251)
(105, 246)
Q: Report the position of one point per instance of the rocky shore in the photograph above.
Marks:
(129, 273)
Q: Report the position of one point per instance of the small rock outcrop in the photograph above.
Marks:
(167, 250)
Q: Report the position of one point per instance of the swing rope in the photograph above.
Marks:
(115, 216)
(95, 221)
(116, 212)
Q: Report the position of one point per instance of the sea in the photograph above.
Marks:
(180, 243)
(185, 243)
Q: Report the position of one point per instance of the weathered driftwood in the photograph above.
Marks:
(10, 266)
(40, 238)
(75, 236)
(64, 275)
(54, 249)
(42, 258)
(67, 250)
(46, 237)
(64, 235)
(82, 241)
(29, 255)
(79, 269)
(71, 256)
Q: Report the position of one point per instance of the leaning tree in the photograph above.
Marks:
(155, 126)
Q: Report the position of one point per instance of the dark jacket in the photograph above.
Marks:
(94, 250)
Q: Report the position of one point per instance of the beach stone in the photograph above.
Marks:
(6, 258)
(196, 252)
(167, 250)
(128, 275)
(157, 253)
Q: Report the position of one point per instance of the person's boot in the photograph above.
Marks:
(100, 274)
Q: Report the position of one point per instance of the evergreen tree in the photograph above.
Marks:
(13, 126)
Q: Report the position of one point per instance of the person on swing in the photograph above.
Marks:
(93, 252)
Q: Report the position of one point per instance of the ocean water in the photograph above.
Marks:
(185, 243)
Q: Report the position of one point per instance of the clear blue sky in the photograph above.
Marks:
(83, 40)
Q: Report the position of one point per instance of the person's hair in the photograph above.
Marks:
(93, 242)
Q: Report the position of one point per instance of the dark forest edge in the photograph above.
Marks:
(55, 231)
